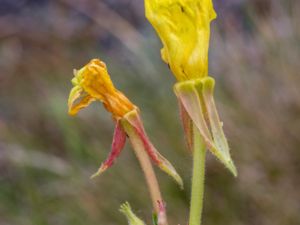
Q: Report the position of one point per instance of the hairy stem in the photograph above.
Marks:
(199, 152)
(147, 169)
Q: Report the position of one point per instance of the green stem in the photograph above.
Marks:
(197, 178)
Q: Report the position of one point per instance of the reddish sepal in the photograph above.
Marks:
(118, 143)
(135, 122)
(187, 124)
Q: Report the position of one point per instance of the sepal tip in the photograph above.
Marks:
(131, 217)
(99, 171)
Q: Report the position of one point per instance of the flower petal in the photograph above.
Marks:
(118, 143)
(133, 119)
(78, 99)
(184, 29)
(92, 82)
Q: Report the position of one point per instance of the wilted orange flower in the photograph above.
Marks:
(92, 83)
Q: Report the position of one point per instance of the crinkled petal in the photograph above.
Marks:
(118, 143)
(184, 29)
(78, 99)
(191, 97)
(133, 119)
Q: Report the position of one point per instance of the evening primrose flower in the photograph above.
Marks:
(92, 83)
(184, 29)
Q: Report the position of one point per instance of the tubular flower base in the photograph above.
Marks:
(92, 83)
(197, 105)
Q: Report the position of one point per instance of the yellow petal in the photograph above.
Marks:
(184, 29)
(78, 99)
(92, 82)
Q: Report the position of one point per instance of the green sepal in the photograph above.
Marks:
(197, 98)
(131, 217)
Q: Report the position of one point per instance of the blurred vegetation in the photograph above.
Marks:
(46, 157)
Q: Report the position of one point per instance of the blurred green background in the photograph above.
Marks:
(46, 156)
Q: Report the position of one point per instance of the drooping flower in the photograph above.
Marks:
(93, 83)
(184, 29)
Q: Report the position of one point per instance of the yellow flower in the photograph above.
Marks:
(92, 82)
(184, 29)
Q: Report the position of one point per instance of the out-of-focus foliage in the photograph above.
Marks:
(46, 157)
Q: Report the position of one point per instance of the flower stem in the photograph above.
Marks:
(147, 169)
(197, 178)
